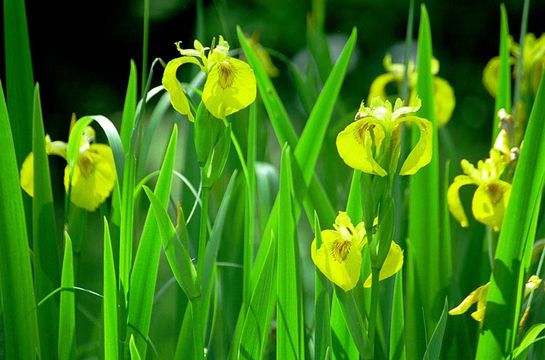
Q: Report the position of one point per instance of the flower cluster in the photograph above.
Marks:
(93, 176)
(230, 85)
(339, 256)
(443, 96)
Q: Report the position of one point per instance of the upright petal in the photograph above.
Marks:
(378, 86)
(420, 156)
(93, 178)
(490, 201)
(177, 96)
(230, 87)
(490, 75)
(453, 199)
(338, 260)
(392, 264)
(444, 100)
(27, 175)
(354, 145)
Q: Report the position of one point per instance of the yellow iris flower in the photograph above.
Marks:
(230, 85)
(480, 294)
(443, 97)
(339, 256)
(371, 143)
(533, 63)
(93, 177)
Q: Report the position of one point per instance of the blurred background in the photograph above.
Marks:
(81, 54)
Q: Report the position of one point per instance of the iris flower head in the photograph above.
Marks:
(339, 256)
(93, 176)
(371, 143)
(443, 96)
(230, 84)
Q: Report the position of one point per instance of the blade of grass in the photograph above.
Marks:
(433, 350)
(111, 341)
(44, 237)
(18, 301)
(289, 329)
(19, 77)
(67, 315)
(424, 222)
(503, 95)
(397, 325)
(129, 109)
(144, 272)
(505, 292)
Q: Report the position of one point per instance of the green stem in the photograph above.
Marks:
(203, 230)
(198, 334)
(374, 308)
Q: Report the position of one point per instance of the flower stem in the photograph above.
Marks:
(374, 308)
(203, 230)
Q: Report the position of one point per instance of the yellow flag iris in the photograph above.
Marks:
(230, 85)
(371, 143)
(93, 176)
(339, 256)
(443, 96)
(479, 297)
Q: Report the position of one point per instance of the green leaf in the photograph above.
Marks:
(507, 280)
(44, 237)
(67, 317)
(433, 350)
(397, 324)
(503, 95)
(111, 341)
(289, 332)
(144, 272)
(129, 109)
(19, 77)
(133, 349)
(424, 222)
(529, 338)
(18, 302)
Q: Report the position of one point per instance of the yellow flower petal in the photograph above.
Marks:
(490, 75)
(177, 96)
(93, 177)
(490, 201)
(444, 100)
(230, 87)
(477, 295)
(420, 156)
(392, 264)
(378, 86)
(339, 260)
(453, 198)
(27, 175)
(354, 145)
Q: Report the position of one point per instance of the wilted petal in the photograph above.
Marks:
(490, 201)
(392, 264)
(354, 145)
(420, 156)
(93, 177)
(477, 295)
(444, 100)
(177, 96)
(453, 198)
(230, 87)
(337, 259)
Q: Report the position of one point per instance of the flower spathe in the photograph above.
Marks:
(339, 256)
(479, 296)
(230, 85)
(93, 176)
(371, 143)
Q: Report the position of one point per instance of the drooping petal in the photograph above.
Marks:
(177, 96)
(400, 110)
(420, 156)
(474, 297)
(490, 75)
(481, 304)
(354, 145)
(230, 87)
(338, 260)
(27, 175)
(392, 264)
(453, 198)
(490, 201)
(444, 100)
(93, 177)
(378, 86)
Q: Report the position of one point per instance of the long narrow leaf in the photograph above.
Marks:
(67, 316)
(503, 95)
(322, 310)
(111, 347)
(18, 302)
